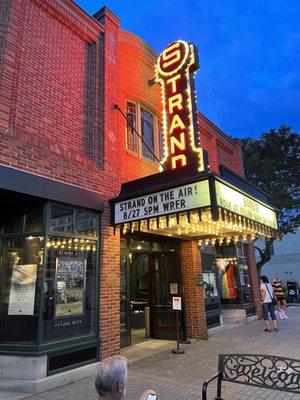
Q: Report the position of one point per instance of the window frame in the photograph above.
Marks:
(158, 149)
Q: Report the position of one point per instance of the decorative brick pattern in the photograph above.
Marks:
(195, 316)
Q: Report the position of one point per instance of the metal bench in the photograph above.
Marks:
(264, 371)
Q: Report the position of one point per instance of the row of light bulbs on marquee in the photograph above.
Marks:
(71, 244)
(229, 227)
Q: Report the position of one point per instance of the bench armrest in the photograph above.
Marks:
(205, 384)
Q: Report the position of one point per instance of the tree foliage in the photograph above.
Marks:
(272, 163)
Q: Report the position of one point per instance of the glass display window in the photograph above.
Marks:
(20, 279)
(227, 280)
(245, 282)
(233, 280)
(61, 219)
(210, 285)
(139, 244)
(47, 282)
(69, 288)
(86, 223)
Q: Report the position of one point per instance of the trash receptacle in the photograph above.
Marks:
(293, 292)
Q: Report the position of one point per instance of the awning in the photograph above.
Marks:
(208, 207)
(35, 185)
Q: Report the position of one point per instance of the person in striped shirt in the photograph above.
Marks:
(281, 304)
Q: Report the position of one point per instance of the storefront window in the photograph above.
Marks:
(139, 244)
(20, 279)
(62, 219)
(34, 219)
(47, 282)
(86, 223)
(13, 223)
(245, 282)
(227, 282)
(232, 275)
(69, 288)
(209, 280)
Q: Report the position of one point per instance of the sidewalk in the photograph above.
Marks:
(180, 377)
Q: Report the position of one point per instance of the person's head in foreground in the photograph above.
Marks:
(111, 378)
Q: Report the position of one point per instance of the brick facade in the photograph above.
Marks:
(62, 72)
(195, 318)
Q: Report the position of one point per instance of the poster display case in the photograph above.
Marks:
(22, 289)
(48, 277)
(70, 286)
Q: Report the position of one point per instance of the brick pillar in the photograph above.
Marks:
(109, 322)
(109, 328)
(254, 279)
(195, 316)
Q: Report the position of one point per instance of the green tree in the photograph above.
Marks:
(272, 163)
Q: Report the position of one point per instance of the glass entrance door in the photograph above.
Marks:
(124, 301)
(165, 283)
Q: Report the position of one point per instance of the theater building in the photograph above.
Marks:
(116, 195)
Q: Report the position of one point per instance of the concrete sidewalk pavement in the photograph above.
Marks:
(181, 376)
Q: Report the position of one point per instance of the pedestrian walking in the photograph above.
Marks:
(281, 302)
(268, 303)
(111, 380)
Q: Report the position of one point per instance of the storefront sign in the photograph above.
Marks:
(169, 201)
(235, 201)
(175, 70)
(22, 292)
(176, 303)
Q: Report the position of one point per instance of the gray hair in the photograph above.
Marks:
(111, 374)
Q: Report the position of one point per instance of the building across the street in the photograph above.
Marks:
(119, 200)
(285, 262)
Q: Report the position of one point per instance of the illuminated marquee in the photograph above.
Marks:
(175, 71)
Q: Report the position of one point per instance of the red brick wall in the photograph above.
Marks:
(193, 294)
(221, 148)
(109, 333)
(62, 74)
(136, 68)
(43, 87)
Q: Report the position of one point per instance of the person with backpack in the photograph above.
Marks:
(269, 302)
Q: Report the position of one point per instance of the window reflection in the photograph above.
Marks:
(20, 278)
(62, 219)
(147, 134)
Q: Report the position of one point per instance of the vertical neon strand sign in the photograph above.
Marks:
(174, 71)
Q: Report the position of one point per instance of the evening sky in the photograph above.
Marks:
(249, 80)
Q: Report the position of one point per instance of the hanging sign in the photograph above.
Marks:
(176, 303)
(175, 70)
(182, 198)
(235, 201)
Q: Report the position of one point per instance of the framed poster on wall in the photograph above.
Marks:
(22, 291)
(70, 286)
